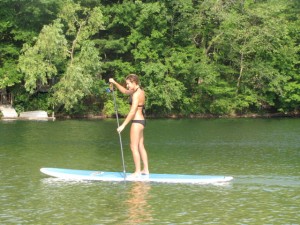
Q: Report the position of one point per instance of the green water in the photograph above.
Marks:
(263, 155)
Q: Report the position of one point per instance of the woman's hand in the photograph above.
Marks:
(121, 128)
(111, 80)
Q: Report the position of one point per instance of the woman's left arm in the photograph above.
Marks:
(132, 112)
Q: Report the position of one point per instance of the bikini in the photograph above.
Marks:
(143, 122)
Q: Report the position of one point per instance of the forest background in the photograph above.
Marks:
(194, 57)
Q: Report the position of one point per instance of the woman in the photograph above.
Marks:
(136, 116)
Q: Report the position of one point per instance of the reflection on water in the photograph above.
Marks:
(139, 210)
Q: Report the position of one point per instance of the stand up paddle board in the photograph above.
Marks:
(90, 175)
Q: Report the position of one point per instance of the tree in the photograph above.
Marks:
(290, 99)
(245, 43)
(20, 21)
(136, 42)
(193, 56)
(65, 54)
(258, 49)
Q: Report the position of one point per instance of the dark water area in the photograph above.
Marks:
(263, 156)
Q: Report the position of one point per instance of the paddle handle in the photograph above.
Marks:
(120, 137)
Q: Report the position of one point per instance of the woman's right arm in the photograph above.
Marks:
(120, 87)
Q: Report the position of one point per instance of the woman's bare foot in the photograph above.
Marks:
(134, 175)
(145, 172)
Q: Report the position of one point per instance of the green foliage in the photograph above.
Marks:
(109, 108)
(50, 55)
(162, 91)
(38, 63)
(20, 22)
(9, 75)
(24, 101)
(78, 78)
(208, 56)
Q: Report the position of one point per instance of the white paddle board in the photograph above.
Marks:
(72, 174)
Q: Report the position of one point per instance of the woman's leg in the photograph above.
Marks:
(135, 132)
(143, 154)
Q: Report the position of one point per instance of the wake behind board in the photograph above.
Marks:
(90, 175)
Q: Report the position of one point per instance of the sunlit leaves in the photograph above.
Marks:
(38, 63)
(163, 91)
(65, 52)
(203, 56)
(78, 80)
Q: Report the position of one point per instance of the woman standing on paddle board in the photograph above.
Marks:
(136, 116)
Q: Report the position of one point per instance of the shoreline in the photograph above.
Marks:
(192, 116)
(92, 116)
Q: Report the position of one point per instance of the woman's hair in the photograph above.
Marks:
(133, 78)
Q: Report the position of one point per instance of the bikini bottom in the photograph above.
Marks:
(143, 122)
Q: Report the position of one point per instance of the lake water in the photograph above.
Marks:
(263, 156)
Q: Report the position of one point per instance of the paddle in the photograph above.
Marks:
(111, 87)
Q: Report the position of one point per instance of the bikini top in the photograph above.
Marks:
(130, 100)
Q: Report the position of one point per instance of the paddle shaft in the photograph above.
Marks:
(120, 137)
